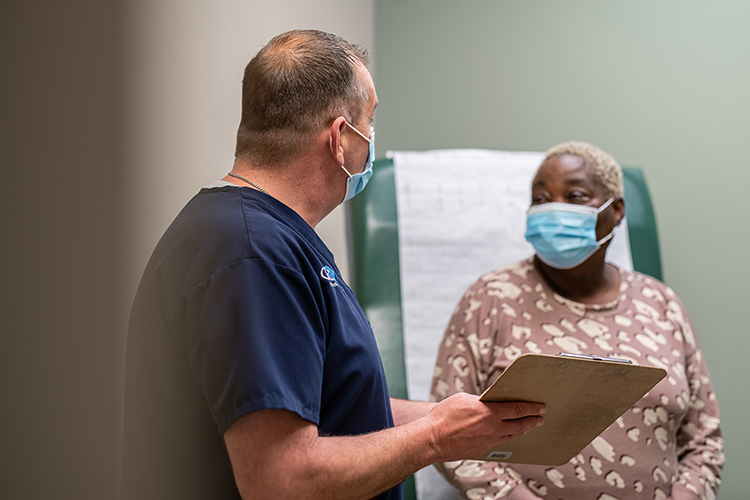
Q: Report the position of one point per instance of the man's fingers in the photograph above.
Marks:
(517, 409)
(513, 429)
(520, 426)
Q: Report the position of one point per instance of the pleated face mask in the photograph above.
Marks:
(355, 183)
(564, 234)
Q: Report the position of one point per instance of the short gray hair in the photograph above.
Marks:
(295, 84)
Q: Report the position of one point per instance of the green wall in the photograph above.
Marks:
(664, 86)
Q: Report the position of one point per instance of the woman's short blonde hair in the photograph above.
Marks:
(605, 168)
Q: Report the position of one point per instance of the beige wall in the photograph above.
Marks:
(185, 64)
(112, 115)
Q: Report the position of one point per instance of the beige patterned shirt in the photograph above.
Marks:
(669, 445)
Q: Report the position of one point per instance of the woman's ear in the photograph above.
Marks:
(619, 205)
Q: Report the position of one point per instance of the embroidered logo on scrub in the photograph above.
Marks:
(329, 275)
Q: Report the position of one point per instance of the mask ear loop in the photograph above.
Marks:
(363, 136)
(611, 233)
(606, 238)
(605, 205)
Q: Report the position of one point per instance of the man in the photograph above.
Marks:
(252, 371)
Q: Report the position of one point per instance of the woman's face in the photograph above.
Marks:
(566, 179)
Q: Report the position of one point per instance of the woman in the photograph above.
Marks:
(566, 298)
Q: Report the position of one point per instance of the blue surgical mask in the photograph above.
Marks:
(357, 182)
(564, 234)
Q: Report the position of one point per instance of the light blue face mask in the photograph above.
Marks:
(564, 234)
(357, 182)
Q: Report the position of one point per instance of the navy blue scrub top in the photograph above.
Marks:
(242, 308)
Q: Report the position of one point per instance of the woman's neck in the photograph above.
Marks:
(593, 282)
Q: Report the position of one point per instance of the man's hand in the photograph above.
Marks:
(464, 426)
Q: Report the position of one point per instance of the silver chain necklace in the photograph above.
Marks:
(250, 182)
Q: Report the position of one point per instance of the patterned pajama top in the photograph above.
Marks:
(668, 445)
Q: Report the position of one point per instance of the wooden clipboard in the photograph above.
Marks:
(583, 395)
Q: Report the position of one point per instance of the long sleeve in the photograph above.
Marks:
(668, 445)
(462, 364)
(699, 440)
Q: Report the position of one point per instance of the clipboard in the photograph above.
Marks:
(584, 395)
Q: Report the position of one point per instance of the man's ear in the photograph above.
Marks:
(336, 140)
(619, 205)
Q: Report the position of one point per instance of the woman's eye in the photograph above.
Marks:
(577, 197)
